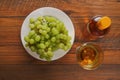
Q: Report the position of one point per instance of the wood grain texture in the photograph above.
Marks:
(16, 63)
(57, 72)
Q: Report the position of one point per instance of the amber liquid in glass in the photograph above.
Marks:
(91, 32)
(89, 56)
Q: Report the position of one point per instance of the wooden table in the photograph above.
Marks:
(17, 64)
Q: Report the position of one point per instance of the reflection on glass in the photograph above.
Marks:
(89, 56)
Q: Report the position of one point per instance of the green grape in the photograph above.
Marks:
(26, 38)
(49, 49)
(32, 26)
(65, 48)
(68, 38)
(48, 29)
(57, 21)
(58, 27)
(47, 43)
(40, 30)
(44, 22)
(64, 37)
(66, 32)
(33, 48)
(50, 54)
(54, 31)
(40, 18)
(40, 51)
(61, 45)
(58, 36)
(50, 19)
(32, 41)
(61, 36)
(61, 24)
(37, 38)
(53, 39)
(52, 24)
(39, 26)
(47, 36)
(42, 46)
(57, 41)
(44, 32)
(63, 28)
(32, 20)
(43, 27)
(31, 33)
(33, 36)
(42, 38)
(68, 44)
(37, 23)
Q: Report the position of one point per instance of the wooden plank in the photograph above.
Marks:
(59, 72)
(68, 59)
(72, 7)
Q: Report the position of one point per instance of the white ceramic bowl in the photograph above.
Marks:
(51, 12)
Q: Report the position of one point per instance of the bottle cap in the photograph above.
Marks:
(104, 23)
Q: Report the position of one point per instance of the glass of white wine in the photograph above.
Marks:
(89, 56)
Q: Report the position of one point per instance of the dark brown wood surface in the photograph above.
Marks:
(17, 64)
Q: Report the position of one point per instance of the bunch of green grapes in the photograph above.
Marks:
(46, 35)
